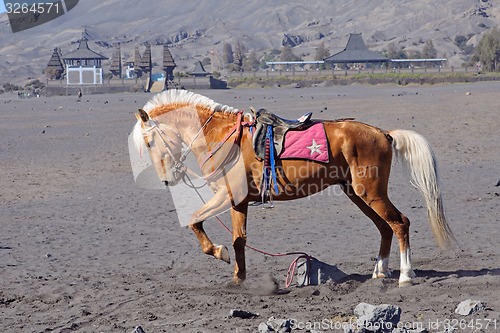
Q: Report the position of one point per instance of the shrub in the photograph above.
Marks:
(35, 84)
(11, 87)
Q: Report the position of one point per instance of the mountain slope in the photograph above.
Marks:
(194, 28)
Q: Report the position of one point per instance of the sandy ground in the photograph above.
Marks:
(83, 249)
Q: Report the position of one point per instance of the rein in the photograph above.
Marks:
(189, 148)
(236, 129)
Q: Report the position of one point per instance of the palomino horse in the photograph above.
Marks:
(360, 162)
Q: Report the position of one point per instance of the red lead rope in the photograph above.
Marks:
(293, 266)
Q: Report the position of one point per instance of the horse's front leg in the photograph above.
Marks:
(219, 203)
(239, 222)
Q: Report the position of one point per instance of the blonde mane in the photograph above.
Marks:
(174, 96)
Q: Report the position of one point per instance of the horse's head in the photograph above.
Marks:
(164, 146)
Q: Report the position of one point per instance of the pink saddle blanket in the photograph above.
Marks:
(310, 144)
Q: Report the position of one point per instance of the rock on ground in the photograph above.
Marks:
(382, 317)
(469, 307)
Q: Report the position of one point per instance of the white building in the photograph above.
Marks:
(83, 66)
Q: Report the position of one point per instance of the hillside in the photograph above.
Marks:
(197, 29)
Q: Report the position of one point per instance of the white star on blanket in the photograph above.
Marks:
(308, 144)
(314, 147)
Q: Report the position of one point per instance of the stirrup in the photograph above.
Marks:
(267, 203)
(263, 202)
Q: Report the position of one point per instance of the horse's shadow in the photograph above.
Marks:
(461, 273)
(429, 274)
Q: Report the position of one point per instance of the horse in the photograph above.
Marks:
(360, 163)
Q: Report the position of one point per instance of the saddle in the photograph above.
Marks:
(265, 119)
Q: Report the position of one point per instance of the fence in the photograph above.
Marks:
(349, 72)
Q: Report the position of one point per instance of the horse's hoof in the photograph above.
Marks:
(222, 253)
(405, 283)
(382, 275)
(233, 284)
(237, 281)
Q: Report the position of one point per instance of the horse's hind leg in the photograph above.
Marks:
(382, 266)
(399, 224)
(372, 189)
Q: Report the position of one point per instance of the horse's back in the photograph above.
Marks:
(352, 138)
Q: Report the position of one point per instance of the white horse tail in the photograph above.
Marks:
(419, 163)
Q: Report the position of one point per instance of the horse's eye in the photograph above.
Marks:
(149, 142)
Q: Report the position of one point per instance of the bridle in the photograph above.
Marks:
(179, 169)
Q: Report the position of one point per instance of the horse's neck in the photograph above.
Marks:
(202, 130)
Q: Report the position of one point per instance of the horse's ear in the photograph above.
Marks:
(142, 115)
(252, 109)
